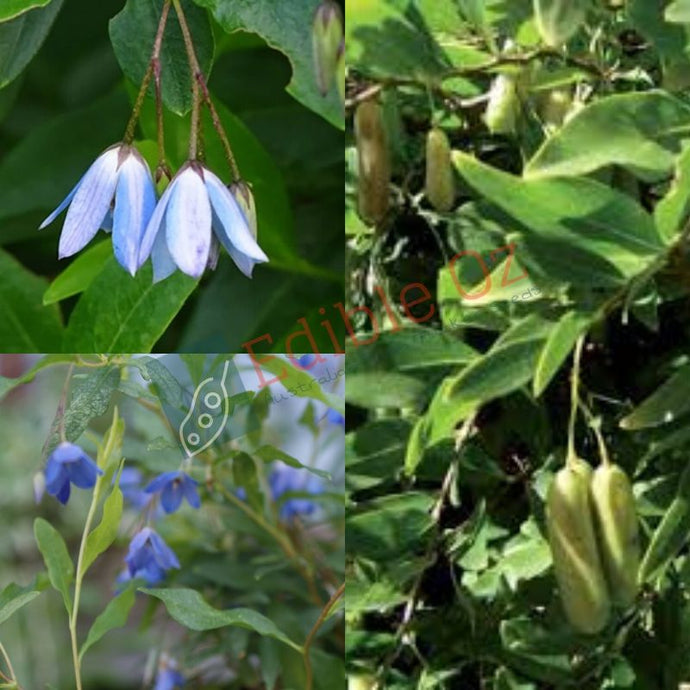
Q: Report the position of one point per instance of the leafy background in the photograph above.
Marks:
(63, 99)
(457, 421)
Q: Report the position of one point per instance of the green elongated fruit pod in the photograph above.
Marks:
(360, 682)
(503, 107)
(374, 162)
(576, 560)
(616, 523)
(440, 183)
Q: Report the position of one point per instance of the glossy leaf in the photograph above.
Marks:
(118, 313)
(671, 213)
(79, 274)
(285, 26)
(557, 347)
(641, 131)
(21, 37)
(132, 33)
(190, 609)
(566, 222)
(25, 324)
(667, 403)
(13, 8)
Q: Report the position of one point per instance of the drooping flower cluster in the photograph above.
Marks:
(195, 214)
(173, 487)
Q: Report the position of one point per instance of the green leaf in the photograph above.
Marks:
(13, 8)
(299, 382)
(56, 557)
(21, 37)
(106, 531)
(114, 616)
(190, 609)
(118, 313)
(641, 131)
(577, 229)
(671, 535)
(91, 395)
(678, 12)
(671, 213)
(285, 26)
(80, 273)
(25, 324)
(7, 384)
(664, 405)
(132, 33)
(557, 21)
(382, 40)
(507, 366)
(557, 347)
(13, 597)
(269, 453)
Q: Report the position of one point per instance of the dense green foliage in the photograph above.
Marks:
(569, 124)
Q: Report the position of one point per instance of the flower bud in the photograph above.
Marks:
(440, 184)
(244, 197)
(373, 161)
(39, 486)
(327, 34)
(615, 516)
(574, 548)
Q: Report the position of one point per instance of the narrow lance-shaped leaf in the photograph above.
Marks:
(671, 534)
(13, 597)
(58, 562)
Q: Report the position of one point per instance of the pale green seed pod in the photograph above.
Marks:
(577, 564)
(373, 161)
(554, 108)
(616, 523)
(440, 183)
(327, 34)
(503, 107)
(360, 682)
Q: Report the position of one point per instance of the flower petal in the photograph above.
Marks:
(56, 476)
(165, 556)
(90, 204)
(63, 494)
(160, 482)
(154, 227)
(171, 498)
(188, 224)
(243, 262)
(63, 205)
(190, 492)
(83, 473)
(233, 223)
(135, 201)
(163, 264)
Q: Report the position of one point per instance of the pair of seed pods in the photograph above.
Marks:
(375, 167)
(593, 532)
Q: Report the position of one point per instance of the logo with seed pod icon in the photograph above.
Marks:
(207, 416)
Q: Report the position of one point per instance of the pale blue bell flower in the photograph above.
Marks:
(195, 210)
(120, 176)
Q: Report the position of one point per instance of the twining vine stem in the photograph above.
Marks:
(461, 438)
(574, 397)
(154, 64)
(312, 634)
(199, 83)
